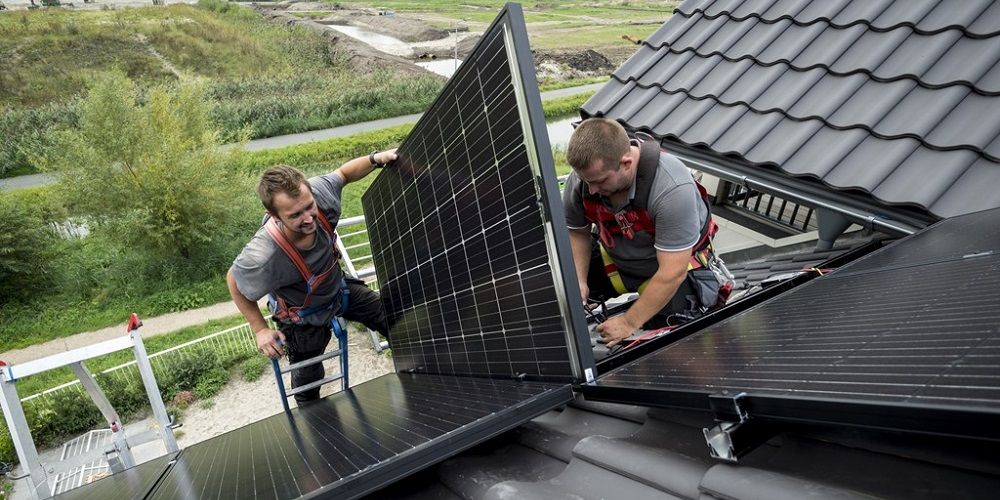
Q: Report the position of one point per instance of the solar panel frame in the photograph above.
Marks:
(918, 392)
(467, 354)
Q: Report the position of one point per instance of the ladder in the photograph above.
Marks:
(339, 327)
(119, 454)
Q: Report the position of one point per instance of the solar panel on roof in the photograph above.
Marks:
(136, 482)
(467, 257)
(342, 446)
(908, 338)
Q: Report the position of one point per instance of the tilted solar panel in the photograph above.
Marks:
(469, 263)
(908, 338)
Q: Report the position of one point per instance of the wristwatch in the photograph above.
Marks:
(375, 163)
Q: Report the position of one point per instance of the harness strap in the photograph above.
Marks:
(280, 307)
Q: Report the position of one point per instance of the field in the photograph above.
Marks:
(562, 25)
(269, 78)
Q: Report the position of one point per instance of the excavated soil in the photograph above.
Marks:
(429, 42)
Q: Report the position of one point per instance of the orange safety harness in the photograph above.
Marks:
(635, 218)
(278, 305)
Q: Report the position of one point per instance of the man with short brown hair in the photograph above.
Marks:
(293, 258)
(651, 221)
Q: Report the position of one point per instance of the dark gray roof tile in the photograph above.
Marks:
(792, 41)
(975, 190)
(903, 13)
(824, 151)
(661, 106)
(954, 14)
(787, 137)
(753, 83)
(757, 39)
(784, 8)
(723, 75)
(746, 132)
(924, 176)
(975, 121)
(855, 12)
(667, 66)
(787, 89)
(819, 11)
(711, 126)
(975, 18)
(879, 98)
(965, 61)
(869, 105)
(988, 22)
(854, 170)
(870, 50)
(920, 110)
(749, 8)
(916, 55)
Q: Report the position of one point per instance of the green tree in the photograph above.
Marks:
(148, 172)
(26, 249)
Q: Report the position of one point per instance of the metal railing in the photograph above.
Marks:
(784, 213)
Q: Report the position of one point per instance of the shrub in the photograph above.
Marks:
(211, 382)
(252, 368)
(129, 398)
(7, 452)
(184, 373)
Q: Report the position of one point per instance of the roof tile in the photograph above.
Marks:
(876, 96)
(924, 176)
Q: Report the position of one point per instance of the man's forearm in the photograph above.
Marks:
(661, 288)
(356, 169)
(247, 307)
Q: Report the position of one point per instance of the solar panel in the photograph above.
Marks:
(136, 482)
(345, 445)
(470, 266)
(906, 339)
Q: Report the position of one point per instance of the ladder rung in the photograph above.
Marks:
(313, 385)
(310, 361)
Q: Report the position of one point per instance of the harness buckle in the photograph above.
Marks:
(624, 224)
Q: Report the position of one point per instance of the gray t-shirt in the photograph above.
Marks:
(677, 211)
(262, 267)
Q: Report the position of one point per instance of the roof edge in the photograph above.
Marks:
(862, 210)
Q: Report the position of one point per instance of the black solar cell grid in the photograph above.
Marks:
(342, 446)
(136, 482)
(882, 337)
(458, 233)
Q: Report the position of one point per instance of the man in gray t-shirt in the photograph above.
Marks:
(648, 222)
(295, 206)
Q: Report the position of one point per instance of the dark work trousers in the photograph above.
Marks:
(683, 304)
(308, 341)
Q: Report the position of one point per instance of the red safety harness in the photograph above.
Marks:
(636, 218)
(281, 310)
